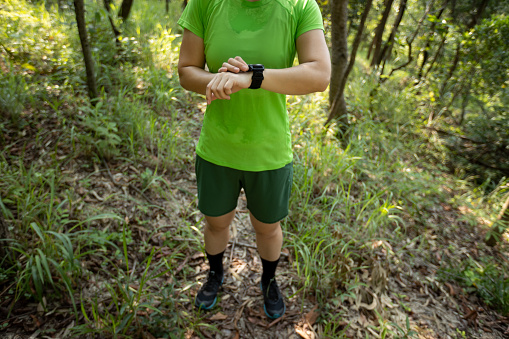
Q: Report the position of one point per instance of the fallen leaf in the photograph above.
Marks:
(312, 315)
(451, 289)
(363, 320)
(197, 255)
(219, 316)
(256, 321)
(472, 315)
(36, 320)
(302, 333)
(237, 335)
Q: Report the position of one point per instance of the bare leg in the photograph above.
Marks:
(217, 232)
(269, 239)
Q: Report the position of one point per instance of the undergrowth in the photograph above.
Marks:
(353, 203)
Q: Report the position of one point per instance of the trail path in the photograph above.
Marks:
(163, 217)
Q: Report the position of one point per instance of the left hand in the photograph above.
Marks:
(225, 83)
(234, 65)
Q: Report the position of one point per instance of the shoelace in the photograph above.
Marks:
(213, 282)
(272, 290)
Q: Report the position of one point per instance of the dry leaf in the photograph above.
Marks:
(256, 321)
(197, 256)
(237, 335)
(451, 289)
(302, 333)
(219, 316)
(312, 315)
(363, 320)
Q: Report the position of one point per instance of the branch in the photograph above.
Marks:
(411, 40)
(7, 50)
(439, 131)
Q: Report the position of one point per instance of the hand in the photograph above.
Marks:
(225, 83)
(234, 65)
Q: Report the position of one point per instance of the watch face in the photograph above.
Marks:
(256, 67)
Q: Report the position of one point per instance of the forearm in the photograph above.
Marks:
(301, 79)
(194, 79)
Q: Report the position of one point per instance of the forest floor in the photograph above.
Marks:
(404, 275)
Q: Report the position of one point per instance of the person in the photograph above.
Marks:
(249, 47)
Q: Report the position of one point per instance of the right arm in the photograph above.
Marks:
(191, 65)
(193, 77)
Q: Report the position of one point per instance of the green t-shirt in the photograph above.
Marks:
(250, 131)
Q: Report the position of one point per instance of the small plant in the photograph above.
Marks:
(132, 305)
(486, 278)
(13, 96)
(101, 132)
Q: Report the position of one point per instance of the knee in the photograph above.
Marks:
(216, 227)
(268, 230)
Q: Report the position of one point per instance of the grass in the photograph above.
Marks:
(356, 208)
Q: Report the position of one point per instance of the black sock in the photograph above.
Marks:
(269, 270)
(216, 263)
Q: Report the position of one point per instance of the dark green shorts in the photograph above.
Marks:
(267, 192)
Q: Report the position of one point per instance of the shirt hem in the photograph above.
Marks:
(241, 168)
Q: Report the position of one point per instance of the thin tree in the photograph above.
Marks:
(387, 49)
(107, 6)
(476, 17)
(79, 9)
(410, 40)
(376, 44)
(125, 9)
(427, 46)
(340, 55)
(339, 58)
(500, 225)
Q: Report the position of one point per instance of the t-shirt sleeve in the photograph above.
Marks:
(309, 18)
(192, 17)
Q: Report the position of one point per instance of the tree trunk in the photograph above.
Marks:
(107, 6)
(500, 225)
(79, 8)
(424, 51)
(452, 69)
(478, 14)
(379, 33)
(473, 21)
(339, 23)
(464, 104)
(436, 56)
(125, 9)
(338, 96)
(411, 40)
(387, 49)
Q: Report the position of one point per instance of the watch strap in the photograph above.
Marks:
(257, 78)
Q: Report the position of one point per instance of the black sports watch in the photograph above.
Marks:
(256, 80)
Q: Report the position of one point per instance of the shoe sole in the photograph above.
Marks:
(274, 316)
(201, 306)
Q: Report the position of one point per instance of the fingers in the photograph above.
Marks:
(234, 65)
(220, 87)
(226, 83)
(240, 63)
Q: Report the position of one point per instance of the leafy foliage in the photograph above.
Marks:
(363, 210)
